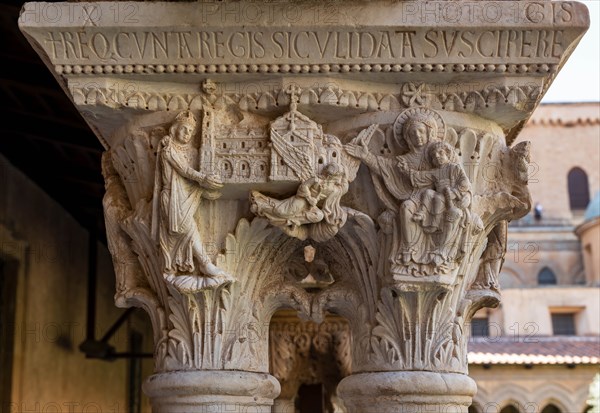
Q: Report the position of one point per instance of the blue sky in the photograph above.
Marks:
(579, 81)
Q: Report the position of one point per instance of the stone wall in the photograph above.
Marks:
(50, 373)
(562, 137)
(527, 311)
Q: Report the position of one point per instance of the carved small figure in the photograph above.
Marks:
(310, 272)
(492, 259)
(450, 186)
(179, 190)
(520, 159)
(445, 207)
(302, 152)
(314, 212)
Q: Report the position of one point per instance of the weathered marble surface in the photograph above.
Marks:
(352, 158)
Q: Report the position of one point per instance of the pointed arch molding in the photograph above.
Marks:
(266, 161)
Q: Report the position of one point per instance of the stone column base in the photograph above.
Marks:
(211, 391)
(407, 392)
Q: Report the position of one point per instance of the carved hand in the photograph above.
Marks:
(210, 182)
(403, 165)
(359, 151)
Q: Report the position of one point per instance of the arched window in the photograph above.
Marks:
(546, 277)
(245, 171)
(551, 409)
(579, 190)
(510, 409)
(226, 169)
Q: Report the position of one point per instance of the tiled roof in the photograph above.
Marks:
(534, 350)
(566, 115)
(581, 121)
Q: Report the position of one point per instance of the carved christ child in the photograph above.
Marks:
(450, 191)
(443, 209)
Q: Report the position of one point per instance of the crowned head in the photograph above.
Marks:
(183, 127)
(418, 126)
(420, 129)
(186, 117)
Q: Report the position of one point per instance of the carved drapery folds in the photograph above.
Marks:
(250, 168)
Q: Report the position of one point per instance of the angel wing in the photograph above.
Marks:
(352, 164)
(293, 156)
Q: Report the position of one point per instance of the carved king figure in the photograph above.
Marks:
(179, 190)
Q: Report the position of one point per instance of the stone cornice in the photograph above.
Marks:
(384, 33)
(509, 44)
(566, 114)
(557, 122)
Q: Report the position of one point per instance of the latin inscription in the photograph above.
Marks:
(386, 46)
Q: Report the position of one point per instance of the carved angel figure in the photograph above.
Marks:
(179, 190)
(314, 212)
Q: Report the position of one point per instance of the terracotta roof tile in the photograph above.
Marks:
(534, 350)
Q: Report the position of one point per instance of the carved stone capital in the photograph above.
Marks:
(257, 161)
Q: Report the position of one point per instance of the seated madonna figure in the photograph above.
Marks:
(415, 129)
